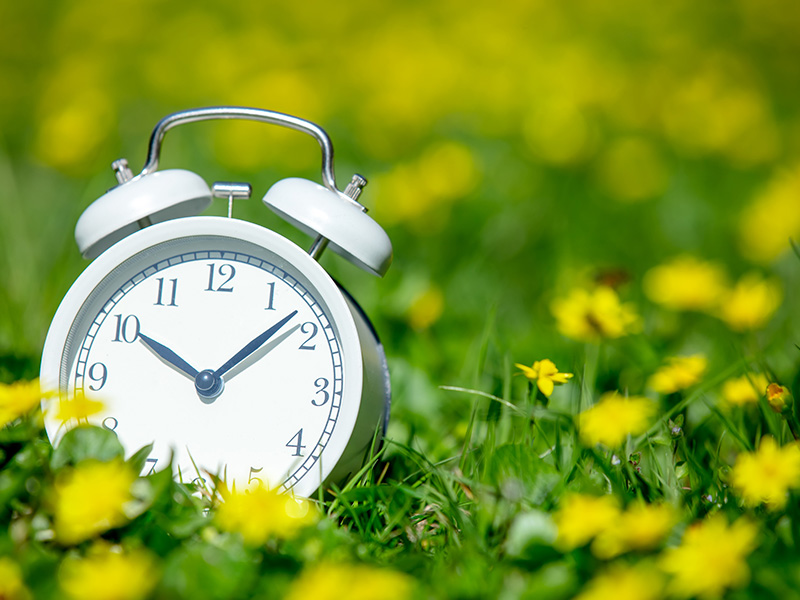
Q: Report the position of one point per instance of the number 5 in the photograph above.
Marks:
(252, 479)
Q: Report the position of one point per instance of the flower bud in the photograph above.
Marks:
(779, 398)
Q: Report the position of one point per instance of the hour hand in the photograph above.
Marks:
(169, 357)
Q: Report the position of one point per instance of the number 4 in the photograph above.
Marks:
(298, 445)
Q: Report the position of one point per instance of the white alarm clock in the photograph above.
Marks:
(220, 342)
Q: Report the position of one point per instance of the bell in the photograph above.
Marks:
(336, 217)
(138, 202)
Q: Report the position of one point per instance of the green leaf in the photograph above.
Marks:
(531, 529)
(83, 443)
(138, 460)
(186, 573)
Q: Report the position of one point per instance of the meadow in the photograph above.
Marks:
(589, 320)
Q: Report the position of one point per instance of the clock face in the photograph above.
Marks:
(234, 357)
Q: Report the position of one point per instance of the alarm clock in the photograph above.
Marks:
(222, 343)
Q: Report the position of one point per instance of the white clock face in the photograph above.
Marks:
(217, 350)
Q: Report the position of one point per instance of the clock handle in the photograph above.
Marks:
(250, 114)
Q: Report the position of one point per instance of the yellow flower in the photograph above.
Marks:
(686, 283)
(262, 513)
(765, 476)
(679, 373)
(18, 398)
(625, 582)
(90, 498)
(78, 408)
(746, 389)
(751, 303)
(354, 582)
(641, 527)
(545, 373)
(614, 418)
(582, 517)
(426, 308)
(590, 315)
(108, 573)
(766, 226)
(711, 557)
(416, 191)
(779, 398)
(12, 587)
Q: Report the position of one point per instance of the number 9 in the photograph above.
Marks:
(101, 378)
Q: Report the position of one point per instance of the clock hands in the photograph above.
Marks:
(209, 384)
(169, 357)
(260, 353)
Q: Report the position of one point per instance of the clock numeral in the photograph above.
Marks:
(110, 423)
(271, 296)
(297, 445)
(159, 302)
(125, 331)
(95, 377)
(224, 270)
(311, 329)
(252, 479)
(152, 462)
(322, 384)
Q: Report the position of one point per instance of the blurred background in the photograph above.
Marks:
(514, 150)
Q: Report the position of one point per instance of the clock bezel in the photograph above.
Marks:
(323, 287)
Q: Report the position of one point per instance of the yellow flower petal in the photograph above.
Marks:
(711, 557)
(679, 373)
(355, 582)
(591, 315)
(767, 475)
(546, 386)
(17, 399)
(614, 418)
(108, 573)
(686, 283)
(90, 499)
(262, 513)
(545, 373)
(582, 517)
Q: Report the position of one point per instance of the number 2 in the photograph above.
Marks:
(312, 332)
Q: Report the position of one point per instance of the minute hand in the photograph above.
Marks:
(252, 346)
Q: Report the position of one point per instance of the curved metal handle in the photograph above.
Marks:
(251, 114)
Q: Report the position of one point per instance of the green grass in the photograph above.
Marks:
(563, 144)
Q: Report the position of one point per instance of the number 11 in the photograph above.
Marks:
(160, 281)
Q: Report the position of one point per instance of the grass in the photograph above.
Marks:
(470, 513)
(565, 147)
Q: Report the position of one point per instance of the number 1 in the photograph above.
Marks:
(271, 296)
